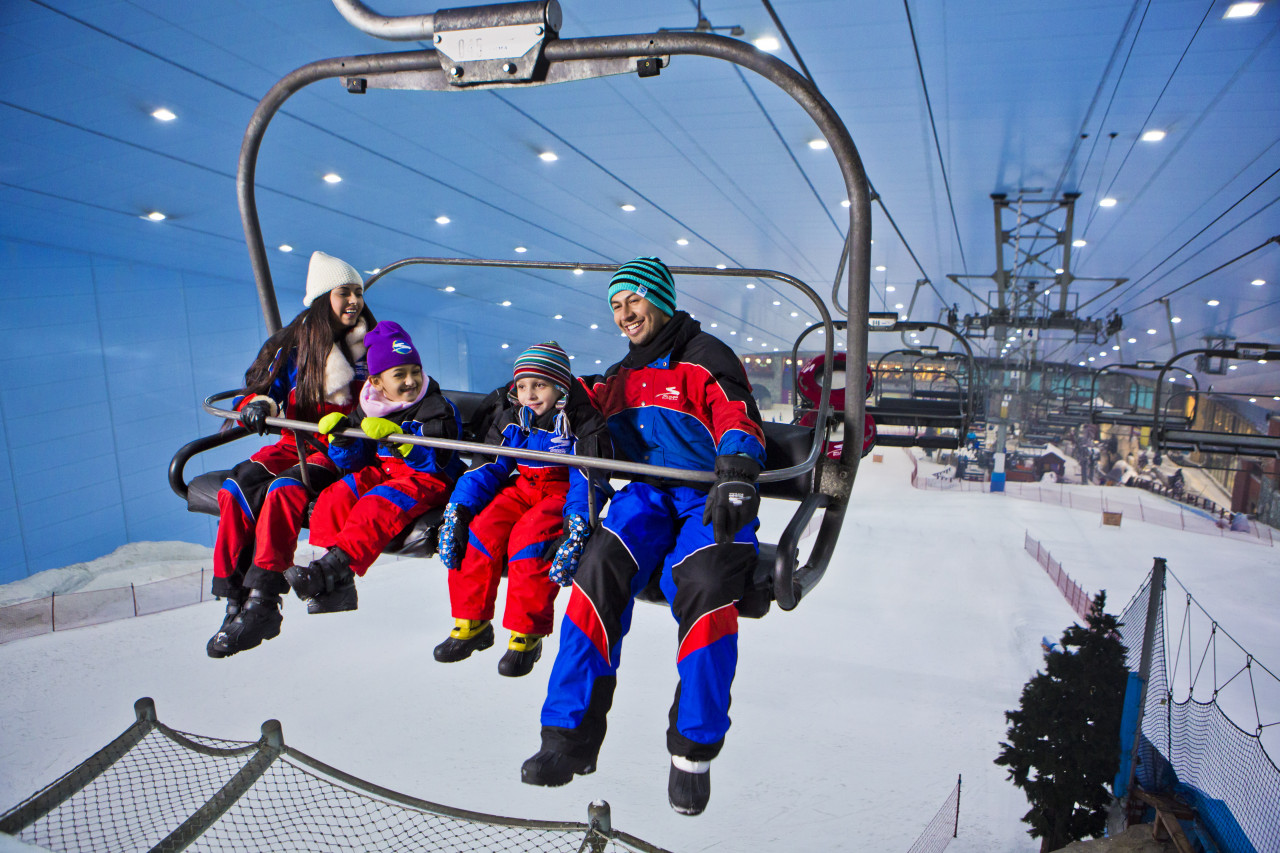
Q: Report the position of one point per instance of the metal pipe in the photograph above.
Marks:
(562, 50)
(397, 28)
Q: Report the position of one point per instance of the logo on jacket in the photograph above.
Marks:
(672, 393)
(559, 443)
(401, 348)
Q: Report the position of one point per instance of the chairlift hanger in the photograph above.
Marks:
(466, 59)
(1169, 436)
(1132, 416)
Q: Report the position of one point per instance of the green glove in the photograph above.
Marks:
(332, 422)
(379, 428)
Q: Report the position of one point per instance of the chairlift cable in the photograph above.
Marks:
(1215, 220)
(1168, 81)
(1097, 94)
(1219, 268)
(937, 144)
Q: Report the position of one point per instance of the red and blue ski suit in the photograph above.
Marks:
(515, 519)
(681, 408)
(382, 493)
(241, 498)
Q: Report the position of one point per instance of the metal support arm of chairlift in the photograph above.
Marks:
(465, 61)
(1165, 436)
(1120, 416)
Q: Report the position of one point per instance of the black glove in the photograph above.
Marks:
(254, 416)
(733, 501)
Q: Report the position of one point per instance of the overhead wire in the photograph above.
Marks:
(874, 194)
(937, 144)
(1168, 80)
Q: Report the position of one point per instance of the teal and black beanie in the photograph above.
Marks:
(650, 278)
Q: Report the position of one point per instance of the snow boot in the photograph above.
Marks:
(327, 585)
(259, 619)
(552, 769)
(467, 636)
(234, 603)
(523, 651)
(689, 785)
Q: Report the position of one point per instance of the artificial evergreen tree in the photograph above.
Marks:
(1064, 740)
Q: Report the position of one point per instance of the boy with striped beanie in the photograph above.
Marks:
(535, 524)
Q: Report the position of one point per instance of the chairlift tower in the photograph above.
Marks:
(1035, 291)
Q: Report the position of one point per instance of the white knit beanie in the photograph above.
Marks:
(325, 273)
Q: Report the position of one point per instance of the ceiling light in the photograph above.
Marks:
(506, 303)
(776, 302)
(751, 286)
(1107, 202)
(162, 114)
(767, 43)
(333, 178)
(285, 247)
(682, 241)
(443, 220)
(1079, 243)
(880, 268)
(1242, 10)
(795, 314)
(577, 271)
(1081, 363)
(1133, 340)
(1258, 282)
(628, 207)
(1233, 367)
(1115, 347)
(597, 361)
(890, 289)
(1103, 354)
(1151, 331)
(450, 289)
(1253, 399)
(733, 332)
(714, 325)
(719, 266)
(1091, 358)
(548, 156)
(1175, 320)
(521, 249)
(846, 203)
(558, 317)
(595, 325)
(572, 357)
(898, 306)
(505, 346)
(1059, 271)
(1153, 136)
(155, 216)
(749, 338)
(818, 144)
(1213, 303)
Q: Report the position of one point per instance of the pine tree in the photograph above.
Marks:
(1064, 740)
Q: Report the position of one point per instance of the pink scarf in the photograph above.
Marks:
(375, 404)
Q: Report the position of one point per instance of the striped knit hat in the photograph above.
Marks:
(546, 361)
(650, 278)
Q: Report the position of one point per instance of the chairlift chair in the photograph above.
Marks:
(466, 60)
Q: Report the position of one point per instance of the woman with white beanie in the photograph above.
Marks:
(311, 367)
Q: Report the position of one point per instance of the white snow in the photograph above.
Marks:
(852, 715)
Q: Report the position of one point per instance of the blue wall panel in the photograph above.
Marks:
(103, 370)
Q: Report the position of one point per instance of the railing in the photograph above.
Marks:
(1075, 595)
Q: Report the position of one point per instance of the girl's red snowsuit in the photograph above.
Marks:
(517, 518)
(242, 494)
(383, 492)
(680, 401)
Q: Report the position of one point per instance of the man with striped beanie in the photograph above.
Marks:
(535, 523)
(679, 399)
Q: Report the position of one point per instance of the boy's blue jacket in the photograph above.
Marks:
(575, 429)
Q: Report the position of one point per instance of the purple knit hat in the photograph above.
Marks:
(389, 346)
